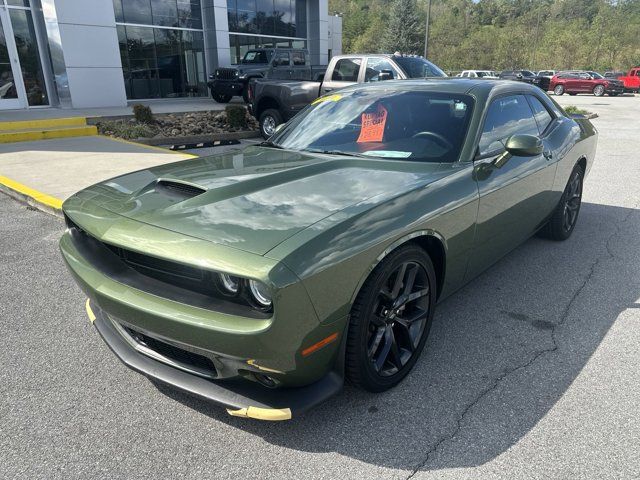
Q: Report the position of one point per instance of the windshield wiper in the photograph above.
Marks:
(270, 144)
(338, 152)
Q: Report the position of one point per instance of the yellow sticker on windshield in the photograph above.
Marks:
(329, 98)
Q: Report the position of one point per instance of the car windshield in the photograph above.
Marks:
(417, 67)
(255, 56)
(596, 75)
(379, 123)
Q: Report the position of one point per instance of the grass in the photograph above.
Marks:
(573, 110)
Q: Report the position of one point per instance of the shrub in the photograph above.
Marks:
(236, 116)
(573, 110)
(142, 113)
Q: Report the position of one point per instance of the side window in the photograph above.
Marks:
(506, 116)
(281, 59)
(465, 74)
(541, 114)
(346, 70)
(377, 65)
(637, 73)
(298, 58)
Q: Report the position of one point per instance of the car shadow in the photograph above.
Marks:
(502, 352)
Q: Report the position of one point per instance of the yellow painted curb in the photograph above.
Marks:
(44, 123)
(54, 132)
(152, 147)
(35, 196)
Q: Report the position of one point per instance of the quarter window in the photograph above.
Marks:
(506, 116)
(375, 66)
(541, 114)
(346, 70)
(281, 60)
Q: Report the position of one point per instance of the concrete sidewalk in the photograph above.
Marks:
(58, 168)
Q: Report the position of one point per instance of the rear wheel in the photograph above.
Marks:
(598, 90)
(391, 319)
(269, 120)
(558, 90)
(565, 216)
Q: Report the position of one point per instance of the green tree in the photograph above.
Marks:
(404, 28)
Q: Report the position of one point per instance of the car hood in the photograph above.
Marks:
(253, 199)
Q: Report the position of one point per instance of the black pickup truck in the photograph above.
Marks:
(274, 102)
(272, 63)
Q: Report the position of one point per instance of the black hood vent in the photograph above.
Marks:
(178, 189)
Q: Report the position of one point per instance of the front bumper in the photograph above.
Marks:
(614, 89)
(240, 397)
(227, 87)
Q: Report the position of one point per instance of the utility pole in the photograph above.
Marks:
(426, 33)
(535, 40)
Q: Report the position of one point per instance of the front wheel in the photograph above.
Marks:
(390, 319)
(220, 98)
(269, 120)
(598, 90)
(564, 218)
(558, 90)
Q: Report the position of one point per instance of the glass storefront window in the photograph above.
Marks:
(241, 44)
(7, 82)
(164, 13)
(161, 62)
(285, 18)
(29, 56)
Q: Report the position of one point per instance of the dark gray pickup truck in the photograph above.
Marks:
(274, 102)
(272, 63)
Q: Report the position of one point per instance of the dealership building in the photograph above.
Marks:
(104, 53)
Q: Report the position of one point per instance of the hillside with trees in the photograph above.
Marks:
(498, 34)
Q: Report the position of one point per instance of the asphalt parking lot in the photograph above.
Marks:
(531, 371)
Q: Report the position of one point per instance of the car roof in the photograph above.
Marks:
(456, 85)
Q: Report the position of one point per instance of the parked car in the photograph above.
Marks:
(576, 82)
(631, 80)
(526, 76)
(274, 63)
(478, 74)
(546, 73)
(273, 103)
(260, 279)
(612, 74)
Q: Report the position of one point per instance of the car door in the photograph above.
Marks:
(301, 70)
(281, 66)
(513, 198)
(345, 72)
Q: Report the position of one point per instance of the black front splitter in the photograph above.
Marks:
(240, 397)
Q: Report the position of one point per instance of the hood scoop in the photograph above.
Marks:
(178, 189)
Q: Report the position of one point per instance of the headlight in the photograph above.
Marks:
(260, 293)
(229, 283)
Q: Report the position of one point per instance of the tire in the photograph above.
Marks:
(386, 336)
(220, 98)
(269, 120)
(614, 94)
(558, 90)
(560, 227)
(573, 94)
(598, 90)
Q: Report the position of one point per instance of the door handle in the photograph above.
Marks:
(548, 155)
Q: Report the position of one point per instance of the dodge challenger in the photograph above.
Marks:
(261, 279)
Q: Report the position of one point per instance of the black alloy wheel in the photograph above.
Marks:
(565, 216)
(391, 319)
(220, 98)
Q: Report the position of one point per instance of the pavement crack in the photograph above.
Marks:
(538, 354)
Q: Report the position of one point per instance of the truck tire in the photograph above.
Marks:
(269, 120)
(220, 98)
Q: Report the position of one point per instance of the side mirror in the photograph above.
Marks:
(385, 75)
(519, 146)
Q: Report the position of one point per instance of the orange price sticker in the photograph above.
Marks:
(372, 129)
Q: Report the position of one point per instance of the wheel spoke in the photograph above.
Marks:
(396, 358)
(379, 335)
(411, 279)
(405, 332)
(398, 281)
(416, 295)
(386, 348)
(413, 318)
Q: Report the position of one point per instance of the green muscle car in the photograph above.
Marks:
(262, 278)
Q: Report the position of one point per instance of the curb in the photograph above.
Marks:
(198, 138)
(36, 199)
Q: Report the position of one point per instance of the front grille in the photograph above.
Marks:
(183, 190)
(186, 359)
(226, 73)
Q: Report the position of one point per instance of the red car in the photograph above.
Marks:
(631, 81)
(585, 82)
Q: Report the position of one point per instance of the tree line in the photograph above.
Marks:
(498, 34)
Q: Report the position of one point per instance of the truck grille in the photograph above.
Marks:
(226, 73)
